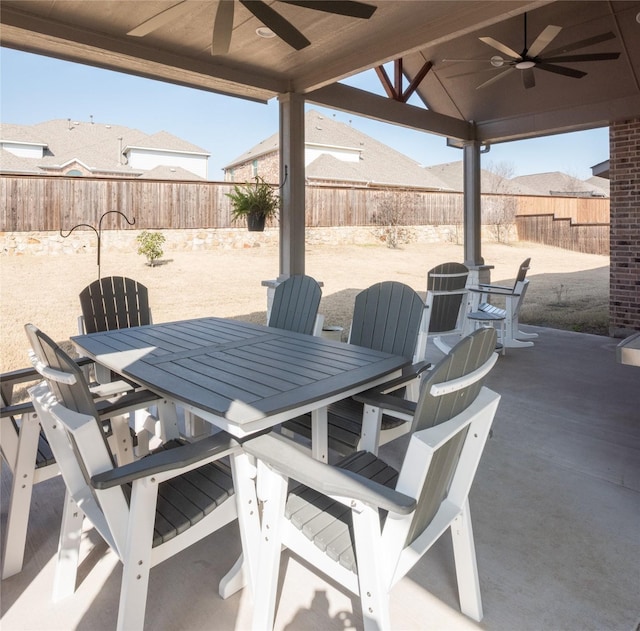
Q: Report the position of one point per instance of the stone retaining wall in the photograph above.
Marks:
(52, 244)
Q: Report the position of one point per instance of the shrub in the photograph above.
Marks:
(150, 245)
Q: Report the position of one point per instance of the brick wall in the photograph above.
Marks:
(624, 173)
(268, 169)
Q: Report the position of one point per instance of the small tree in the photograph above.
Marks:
(391, 212)
(151, 245)
(503, 205)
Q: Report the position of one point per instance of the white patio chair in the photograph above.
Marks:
(512, 297)
(446, 304)
(28, 455)
(364, 524)
(387, 317)
(147, 510)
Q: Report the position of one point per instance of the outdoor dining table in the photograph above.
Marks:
(242, 378)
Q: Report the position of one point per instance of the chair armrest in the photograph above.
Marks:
(212, 447)
(409, 373)
(493, 289)
(279, 454)
(125, 403)
(18, 409)
(386, 402)
(31, 374)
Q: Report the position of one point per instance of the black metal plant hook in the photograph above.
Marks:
(98, 230)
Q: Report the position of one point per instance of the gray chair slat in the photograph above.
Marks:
(114, 302)
(44, 456)
(295, 304)
(470, 353)
(445, 310)
(436, 486)
(327, 522)
(176, 521)
(185, 500)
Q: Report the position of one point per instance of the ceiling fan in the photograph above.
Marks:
(531, 58)
(278, 25)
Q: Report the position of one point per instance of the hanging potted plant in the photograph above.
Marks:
(255, 202)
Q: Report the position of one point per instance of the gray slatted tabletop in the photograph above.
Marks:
(242, 377)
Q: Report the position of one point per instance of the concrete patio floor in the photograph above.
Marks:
(555, 507)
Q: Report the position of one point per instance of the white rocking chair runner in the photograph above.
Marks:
(366, 525)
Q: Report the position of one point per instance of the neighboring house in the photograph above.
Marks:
(336, 153)
(65, 147)
(601, 170)
(453, 175)
(563, 185)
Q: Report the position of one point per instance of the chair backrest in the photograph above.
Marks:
(64, 377)
(522, 271)
(71, 422)
(295, 304)
(387, 317)
(446, 392)
(114, 302)
(446, 291)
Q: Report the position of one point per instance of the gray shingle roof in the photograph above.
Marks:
(599, 182)
(169, 173)
(379, 164)
(10, 163)
(96, 145)
(452, 174)
(556, 182)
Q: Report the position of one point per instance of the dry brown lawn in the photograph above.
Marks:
(568, 289)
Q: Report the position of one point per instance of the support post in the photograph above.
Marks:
(472, 205)
(292, 211)
(478, 271)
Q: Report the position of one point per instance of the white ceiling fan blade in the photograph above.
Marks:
(494, 43)
(543, 40)
(222, 28)
(484, 60)
(160, 19)
(502, 75)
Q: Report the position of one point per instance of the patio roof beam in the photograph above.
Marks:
(356, 101)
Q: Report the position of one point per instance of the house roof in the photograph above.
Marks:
(558, 183)
(378, 163)
(10, 163)
(168, 142)
(452, 174)
(599, 182)
(169, 173)
(99, 146)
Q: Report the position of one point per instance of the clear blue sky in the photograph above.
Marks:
(34, 89)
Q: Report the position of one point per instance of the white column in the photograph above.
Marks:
(292, 212)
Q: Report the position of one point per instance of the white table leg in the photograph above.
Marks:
(319, 434)
(244, 570)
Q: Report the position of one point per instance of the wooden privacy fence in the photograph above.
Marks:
(583, 210)
(51, 203)
(564, 233)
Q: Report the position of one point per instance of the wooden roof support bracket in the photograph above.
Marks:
(394, 90)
